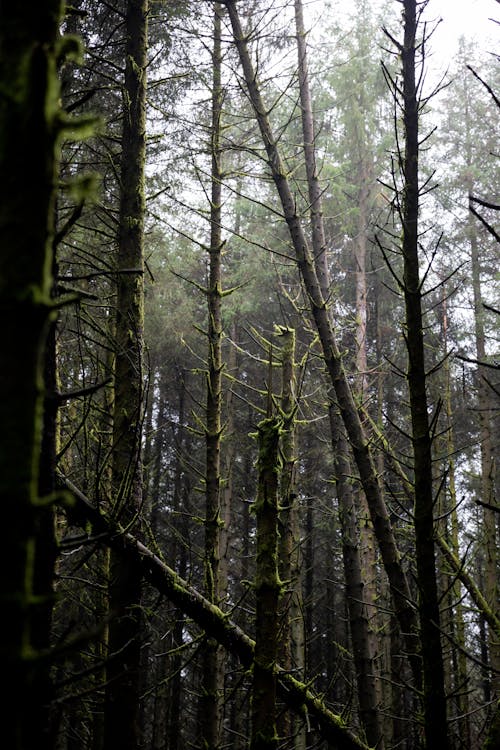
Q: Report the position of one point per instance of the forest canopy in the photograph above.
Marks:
(250, 377)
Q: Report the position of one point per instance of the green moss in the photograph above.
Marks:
(69, 48)
(269, 433)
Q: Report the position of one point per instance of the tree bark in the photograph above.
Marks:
(123, 668)
(31, 125)
(449, 510)
(435, 724)
(212, 666)
(485, 410)
(292, 653)
(357, 608)
(267, 589)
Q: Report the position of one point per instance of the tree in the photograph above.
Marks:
(212, 674)
(31, 127)
(293, 208)
(435, 725)
(123, 667)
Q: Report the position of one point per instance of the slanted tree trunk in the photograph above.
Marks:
(123, 669)
(333, 360)
(211, 619)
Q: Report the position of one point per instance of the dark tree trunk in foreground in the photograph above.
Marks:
(123, 670)
(31, 124)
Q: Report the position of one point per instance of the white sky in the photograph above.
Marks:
(469, 18)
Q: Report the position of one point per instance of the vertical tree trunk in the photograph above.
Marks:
(460, 679)
(489, 532)
(267, 589)
(367, 547)
(435, 724)
(211, 694)
(176, 688)
(289, 545)
(226, 502)
(30, 128)
(358, 612)
(123, 672)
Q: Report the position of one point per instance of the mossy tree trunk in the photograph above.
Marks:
(292, 644)
(213, 621)
(30, 127)
(123, 669)
(267, 589)
(212, 665)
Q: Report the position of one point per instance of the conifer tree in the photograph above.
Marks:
(123, 665)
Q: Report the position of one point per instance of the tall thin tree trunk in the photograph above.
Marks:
(176, 688)
(367, 549)
(357, 608)
(291, 623)
(489, 531)
(460, 686)
(267, 589)
(212, 666)
(434, 699)
(123, 669)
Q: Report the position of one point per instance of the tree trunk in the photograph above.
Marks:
(30, 130)
(460, 680)
(292, 626)
(358, 611)
(489, 531)
(176, 688)
(267, 589)
(435, 724)
(123, 669)
(212, 666)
